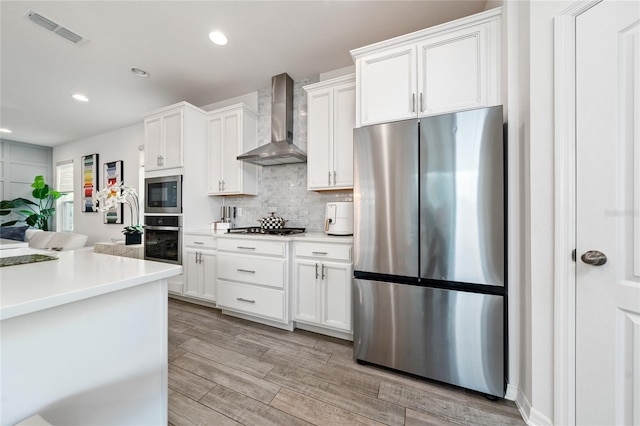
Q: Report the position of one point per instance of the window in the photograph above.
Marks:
(64, 204)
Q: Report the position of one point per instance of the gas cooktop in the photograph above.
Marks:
(256, 230)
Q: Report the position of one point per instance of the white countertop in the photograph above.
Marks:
(10, 244)
(316, 237)
(76, 275)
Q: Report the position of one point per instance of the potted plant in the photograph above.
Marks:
(114, 194)
(34, 214)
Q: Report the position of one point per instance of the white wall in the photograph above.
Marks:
(116, 145)
(531, 77)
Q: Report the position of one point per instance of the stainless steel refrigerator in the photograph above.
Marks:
(429, 260)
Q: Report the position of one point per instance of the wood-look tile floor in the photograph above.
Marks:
(228, 371)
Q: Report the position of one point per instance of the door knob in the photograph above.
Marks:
(594, 257)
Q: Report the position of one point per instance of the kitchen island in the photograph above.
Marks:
(84, 339)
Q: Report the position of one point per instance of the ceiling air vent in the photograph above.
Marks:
(58, 29)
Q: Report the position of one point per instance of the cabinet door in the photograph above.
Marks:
(193, 273)
(215, 151)
(209, 276)
(307, 292)
(456, 72)
(172, 140)
(231, 167)
(387, 86)
(337, 295)
(344, 118)
(319, 131)
(153, 143)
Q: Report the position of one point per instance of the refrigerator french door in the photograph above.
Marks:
(429, 232)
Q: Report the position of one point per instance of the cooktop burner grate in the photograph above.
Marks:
(260, 231)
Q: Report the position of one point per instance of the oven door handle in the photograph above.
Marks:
(162, 228)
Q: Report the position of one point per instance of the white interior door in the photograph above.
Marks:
(608, 214)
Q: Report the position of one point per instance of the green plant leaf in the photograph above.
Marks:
(15, 203)
(38, 182)
(38, 214)
(10, 223)
(32, 220)
(41, 193)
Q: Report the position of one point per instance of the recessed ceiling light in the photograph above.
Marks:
(218, 38)
(80, 97)
(3, 130)
(139, 72)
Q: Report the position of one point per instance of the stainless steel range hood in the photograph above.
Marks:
(281, 149)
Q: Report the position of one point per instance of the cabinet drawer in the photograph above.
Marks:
(252, 269)
(202, 241)
(265, 302)
(251, 246)
(323, 251)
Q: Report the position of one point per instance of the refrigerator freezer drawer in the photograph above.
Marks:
(446, 335)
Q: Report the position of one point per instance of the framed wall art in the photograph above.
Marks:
(89, 181)
(112, 174)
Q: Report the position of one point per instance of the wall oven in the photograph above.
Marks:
(163, 194)
(163, 239)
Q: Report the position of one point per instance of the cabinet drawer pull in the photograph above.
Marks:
(323, 275)
(245, 300)
(319, 253)
(421, 107)
(413, 102)
(316, 271)
(246, 270)
(329, 179)
(245, 248)
(334, 177)
(198, 242)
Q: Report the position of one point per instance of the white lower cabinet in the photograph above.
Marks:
(250, 299)
(200, 263)
(253, 279)
(322, 286)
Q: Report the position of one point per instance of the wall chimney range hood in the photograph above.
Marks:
(281, 149)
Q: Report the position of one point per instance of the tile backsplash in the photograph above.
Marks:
(283, 189)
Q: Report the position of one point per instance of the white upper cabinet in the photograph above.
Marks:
(232, 131)
(330, 123)
(165, 133)
(449, 67)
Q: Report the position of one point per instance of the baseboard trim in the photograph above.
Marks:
(512, 392)
(530, 415)
(322, 330)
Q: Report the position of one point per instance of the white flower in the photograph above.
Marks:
(112, 195)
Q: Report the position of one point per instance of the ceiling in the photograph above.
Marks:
(41, 70)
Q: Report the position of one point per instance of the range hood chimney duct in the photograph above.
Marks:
(281, 149)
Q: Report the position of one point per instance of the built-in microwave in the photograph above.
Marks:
(163, 194)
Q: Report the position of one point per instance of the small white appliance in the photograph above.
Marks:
(338, 218)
